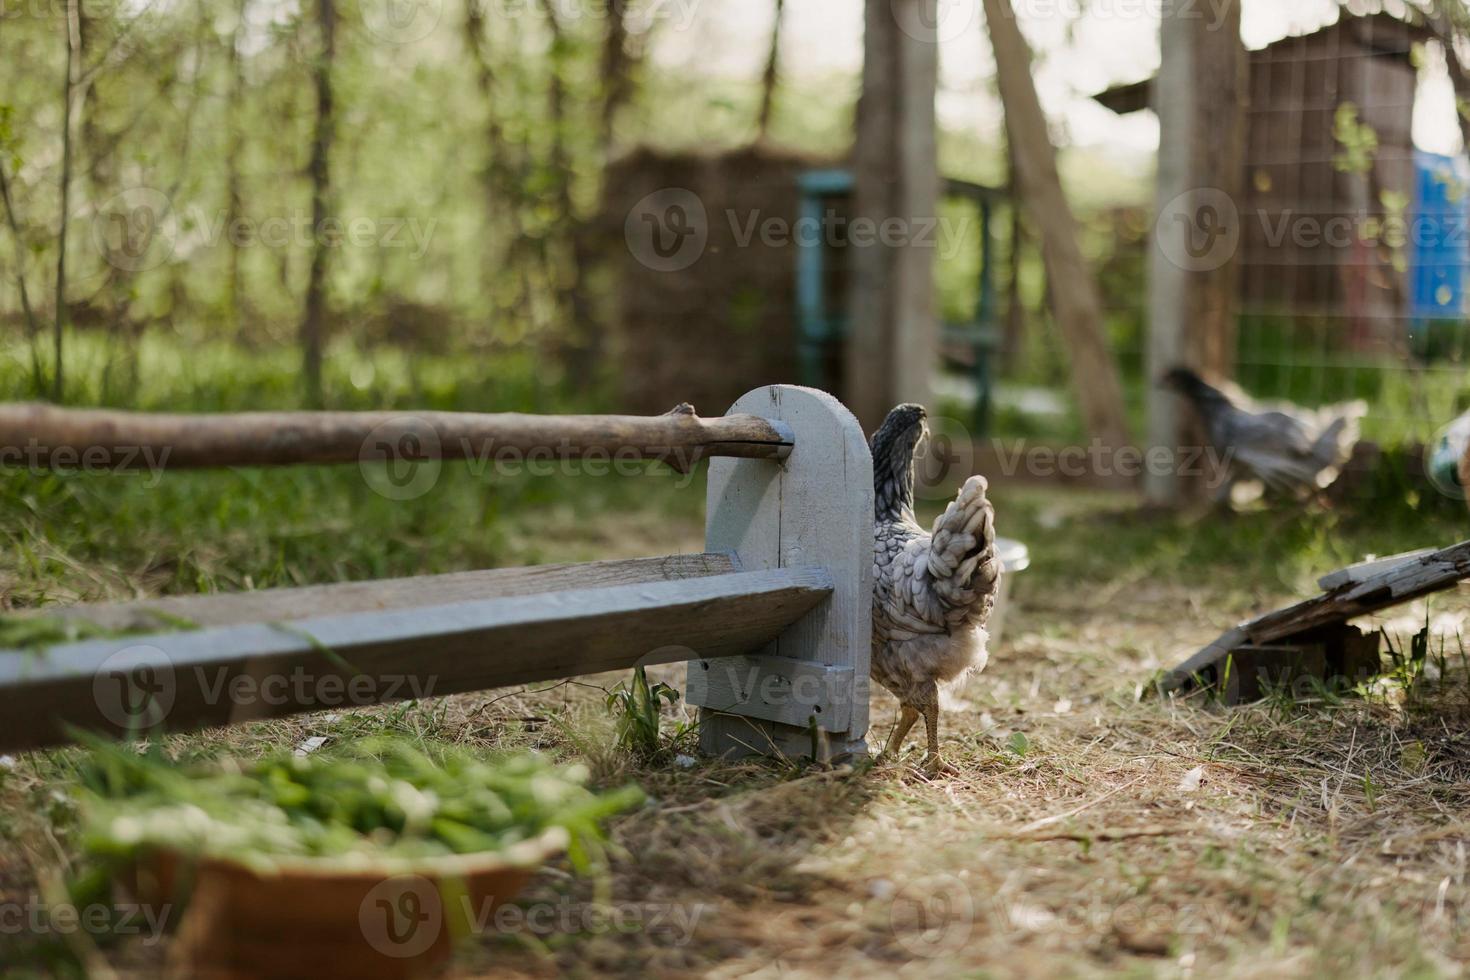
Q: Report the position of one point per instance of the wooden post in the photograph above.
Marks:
(1075, 297)
(806, 694)
(1200, 95)
(893, 337)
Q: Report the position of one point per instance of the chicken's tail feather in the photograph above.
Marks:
(962, 561)
(1334, 447)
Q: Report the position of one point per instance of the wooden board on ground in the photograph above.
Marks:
(1355, 591)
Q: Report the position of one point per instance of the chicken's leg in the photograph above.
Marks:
(933, 764)
(906, 720)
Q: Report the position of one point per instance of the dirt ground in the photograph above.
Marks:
(1093, 830)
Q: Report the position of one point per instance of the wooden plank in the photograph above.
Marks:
(1397, 581)
(187, 680)
(1400, 583)
(285, 604)
(815, 509)
(1075, 298)
(1364, 570)
(42, 436)
(793, 692)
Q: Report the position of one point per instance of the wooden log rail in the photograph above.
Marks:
(773, 620)
(44, 436)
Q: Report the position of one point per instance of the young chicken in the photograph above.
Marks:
(932, 592)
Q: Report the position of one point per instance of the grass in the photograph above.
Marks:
(1091, 832)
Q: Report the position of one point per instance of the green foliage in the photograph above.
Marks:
(637, 706)
(1357, 141)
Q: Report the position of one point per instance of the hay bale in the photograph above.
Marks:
(725, 322)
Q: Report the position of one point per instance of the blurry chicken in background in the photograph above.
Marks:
(1292, 450)
(932, 592)
(1448, 466)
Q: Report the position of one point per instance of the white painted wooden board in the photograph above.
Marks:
(774, 689)
(815, 509)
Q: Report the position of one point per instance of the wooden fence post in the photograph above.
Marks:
(806, 694)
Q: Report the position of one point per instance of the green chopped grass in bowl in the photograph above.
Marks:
(375, 803)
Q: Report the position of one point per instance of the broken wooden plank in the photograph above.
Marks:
(1365, 570)
(181, 681)
(305, 602)
(1365, 588)
(1433, 572)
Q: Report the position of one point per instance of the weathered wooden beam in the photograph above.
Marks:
(1353, 592)
(1400, 583)
(306, 602)
(181, 681)
(43, 436)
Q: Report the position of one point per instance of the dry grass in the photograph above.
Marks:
(1092, 832)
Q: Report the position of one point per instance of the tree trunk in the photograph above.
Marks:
(768, 77)
(313, 322)
(1013, 332)
(893, 337)
(234, 195)
(1078, 304)
(499, 183)
(581, 347)
(616, 69)
(1200, 95)
(72, 30)
(33, 326)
